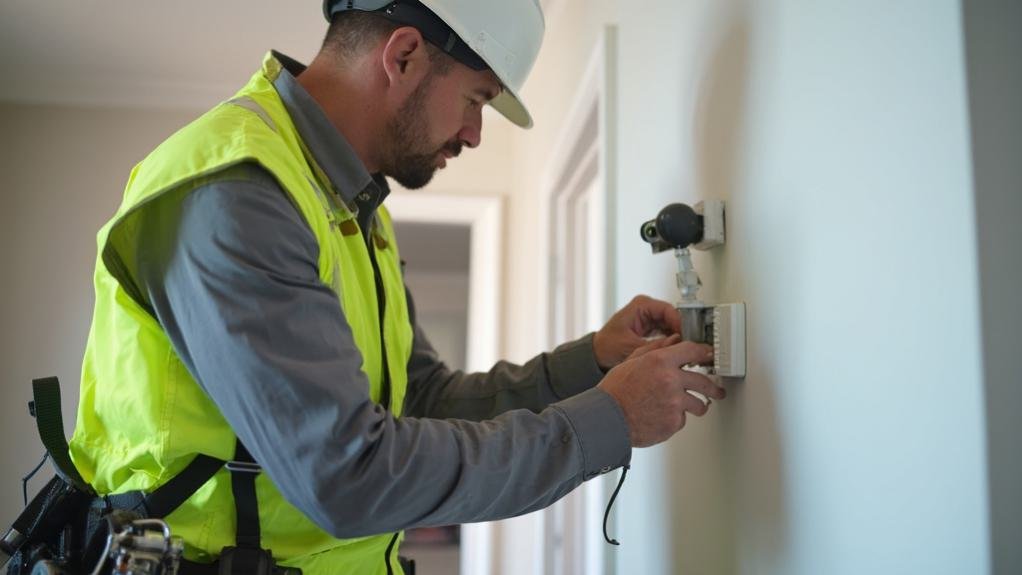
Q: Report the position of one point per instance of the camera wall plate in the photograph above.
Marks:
(723, 327)
(729, 339)
(713, 223)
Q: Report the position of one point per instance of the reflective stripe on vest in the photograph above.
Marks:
(142, 417)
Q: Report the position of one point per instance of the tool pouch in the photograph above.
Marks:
(49, 528)
(65, 527)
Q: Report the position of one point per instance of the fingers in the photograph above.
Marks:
(654, 315)
(672, 357)
(686, 353)
(695, 406)
(698, 382)
(655, 393)
(654, 345)
(625, 331)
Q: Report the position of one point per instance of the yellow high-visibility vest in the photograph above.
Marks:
(142, 417)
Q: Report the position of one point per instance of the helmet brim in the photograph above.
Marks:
(511, 107)
(439, 26)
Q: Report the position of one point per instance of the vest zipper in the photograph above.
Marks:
(386, 554)
(381, 299)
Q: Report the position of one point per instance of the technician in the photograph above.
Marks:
(249, 294)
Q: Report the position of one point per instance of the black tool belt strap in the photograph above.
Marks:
(158, 504)
(169, 496)
(48, 419)
(244, 470)
(172, 494)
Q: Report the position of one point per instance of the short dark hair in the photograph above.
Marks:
(353, 32)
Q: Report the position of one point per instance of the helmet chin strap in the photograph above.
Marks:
(452, 41)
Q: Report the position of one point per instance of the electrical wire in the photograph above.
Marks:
(31, 474)
(606, 514)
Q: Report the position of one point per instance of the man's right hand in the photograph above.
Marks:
(653, 390)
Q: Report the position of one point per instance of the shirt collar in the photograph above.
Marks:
(327, 145)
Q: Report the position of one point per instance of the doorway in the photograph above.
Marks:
(452, 245)
(436, 257)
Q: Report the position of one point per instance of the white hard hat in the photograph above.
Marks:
(502, 35)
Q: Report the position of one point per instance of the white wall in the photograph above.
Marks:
(838, 133)
(62, 173)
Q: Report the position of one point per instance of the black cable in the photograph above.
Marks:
(31, 474)
(606, 514)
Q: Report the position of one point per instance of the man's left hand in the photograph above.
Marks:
(627, 329)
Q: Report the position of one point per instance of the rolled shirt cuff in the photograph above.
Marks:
(600, 429)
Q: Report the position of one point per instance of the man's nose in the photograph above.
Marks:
(471, 133)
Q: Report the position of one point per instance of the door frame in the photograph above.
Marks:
(597, 91)
(588, 136)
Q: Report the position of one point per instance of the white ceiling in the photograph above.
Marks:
(179, 53)
(174, 53)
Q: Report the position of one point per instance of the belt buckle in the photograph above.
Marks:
(243, 467)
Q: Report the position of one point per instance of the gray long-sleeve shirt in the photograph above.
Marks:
(230, 270)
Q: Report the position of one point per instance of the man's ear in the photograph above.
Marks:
(405, 59)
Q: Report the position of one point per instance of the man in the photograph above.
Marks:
(249, 295)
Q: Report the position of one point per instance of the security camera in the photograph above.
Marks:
(677, 226)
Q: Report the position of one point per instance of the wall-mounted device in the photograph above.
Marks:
(677, 227)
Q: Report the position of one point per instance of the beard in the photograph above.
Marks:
(412, 158)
